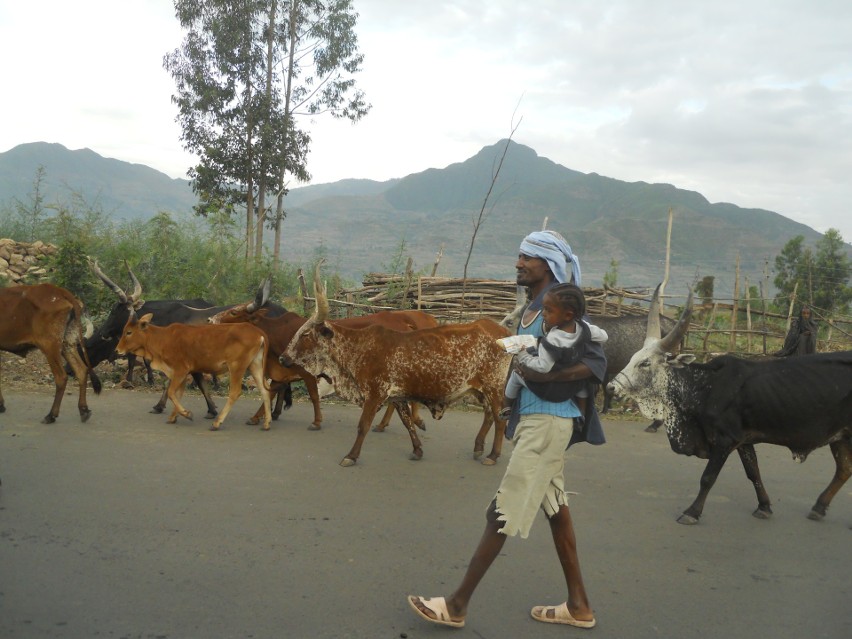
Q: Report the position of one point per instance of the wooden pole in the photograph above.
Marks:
(735, 306)
(790, 310)
(668, 254)
(764, 291)
(748, 316)
(304, 290)
(437, 259)
(709, 324)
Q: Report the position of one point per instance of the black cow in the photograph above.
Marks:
(730, 403)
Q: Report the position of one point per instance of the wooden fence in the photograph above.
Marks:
(716, 326)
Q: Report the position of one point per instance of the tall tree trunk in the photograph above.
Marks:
(264, 163)
(288, 90)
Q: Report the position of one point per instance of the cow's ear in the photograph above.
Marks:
(324, 330)
(679, 361)
(147, 317)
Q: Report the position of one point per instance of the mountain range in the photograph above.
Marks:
(365, 226)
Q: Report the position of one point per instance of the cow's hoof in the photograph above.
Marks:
(317, 427)
(378, 429)
(815, 515)
(188, 415)
(125, 384)
(156, 410)
(346, 462)
(687, 520)
(477, 453)
(214, 427)
(252, 422)
(265, 427)
(48, 419)
(489, 461)
(417, 455)
(2, 408)
(762, 514)
(651, 429)
(211, 415)
(84, 415)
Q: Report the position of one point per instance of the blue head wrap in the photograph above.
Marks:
(552, 247)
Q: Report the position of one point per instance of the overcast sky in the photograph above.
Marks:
(744, 101)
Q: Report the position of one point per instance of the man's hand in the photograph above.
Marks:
(578, 371)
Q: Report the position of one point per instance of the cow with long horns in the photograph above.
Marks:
(373, 365)
(727, 404)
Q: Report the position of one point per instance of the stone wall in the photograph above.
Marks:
(23, 262)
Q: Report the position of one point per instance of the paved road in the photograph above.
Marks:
(129, 527)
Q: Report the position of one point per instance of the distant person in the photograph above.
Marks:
(534, 478)
(802, 337)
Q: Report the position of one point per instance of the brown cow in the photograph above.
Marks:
(48, 318)
(281, 330)
(433, 366)
(179, 349)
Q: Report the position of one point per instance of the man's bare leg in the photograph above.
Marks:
(562, 529)
(486, 552)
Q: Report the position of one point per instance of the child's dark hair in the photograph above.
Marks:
(569, 297)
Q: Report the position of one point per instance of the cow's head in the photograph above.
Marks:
(101, 344)
(512, 320)
(644, 377)
(247, 311)
(135, 335)
(309, 346)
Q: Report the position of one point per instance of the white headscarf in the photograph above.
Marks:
(552, 247)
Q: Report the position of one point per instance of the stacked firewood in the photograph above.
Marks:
(464, 299)
(23, 261)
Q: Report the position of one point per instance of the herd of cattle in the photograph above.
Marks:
(404, 359)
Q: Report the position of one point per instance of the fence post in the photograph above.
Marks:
(303, 288)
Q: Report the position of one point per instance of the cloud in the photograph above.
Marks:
(746, 102)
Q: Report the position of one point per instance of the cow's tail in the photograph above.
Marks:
(76, 317)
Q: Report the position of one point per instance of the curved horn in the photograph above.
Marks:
(261, 297)
(654, 331)
(137, 287)
(122, 296)
(321, 312)
(676, 334)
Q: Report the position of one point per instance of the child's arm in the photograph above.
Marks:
(597, 334)
(540, 363)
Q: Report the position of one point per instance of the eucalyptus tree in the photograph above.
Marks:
(819, 274)
(244, 72)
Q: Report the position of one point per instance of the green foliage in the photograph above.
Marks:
(819, 276)
(242, 73)
(610, 278)
(704, 288)
(31, 214)
(71, 269)
(171, 259)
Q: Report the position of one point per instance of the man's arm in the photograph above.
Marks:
(578, 371)
(592, 365)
